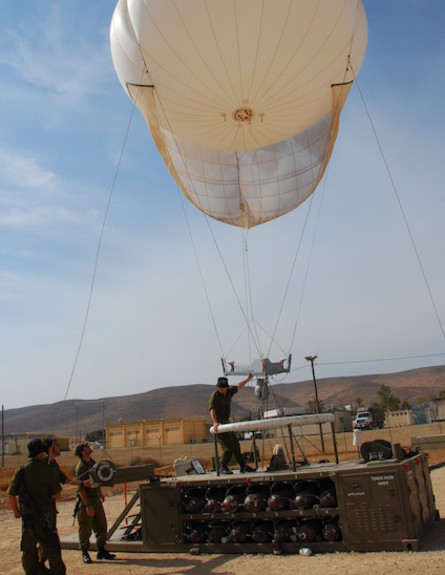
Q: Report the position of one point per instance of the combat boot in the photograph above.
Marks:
(247, 469)
(86, 557)
(103, 553)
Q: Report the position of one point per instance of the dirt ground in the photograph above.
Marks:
(430, 560)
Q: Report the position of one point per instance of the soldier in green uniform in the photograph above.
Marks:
(219, 407)
(90, 513)
(53, 449)
(32, 496)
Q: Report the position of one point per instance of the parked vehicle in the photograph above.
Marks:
(370, 418)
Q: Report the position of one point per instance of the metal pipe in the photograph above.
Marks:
(312, 358)
(294, 466)
(274, 422)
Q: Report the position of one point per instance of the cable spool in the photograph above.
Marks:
(196, 532)
(331, 531)
(307, 495)
(256, 499)
(194, 500)
(327, 498)
(104, 471)
(240, 532)
(281, 496)
(217, 532)
(286, 531)
(214, 497)
(309, 530)
(263, 531)
(234, 499)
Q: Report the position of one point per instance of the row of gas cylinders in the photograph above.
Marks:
(277, 532)
(263, 497)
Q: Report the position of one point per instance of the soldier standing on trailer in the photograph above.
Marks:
(90, 512)
(37, 489)
(219, 407)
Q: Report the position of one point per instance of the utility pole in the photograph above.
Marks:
(311, 359)
(3, 436)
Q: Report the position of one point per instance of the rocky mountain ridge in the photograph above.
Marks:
(75, 417)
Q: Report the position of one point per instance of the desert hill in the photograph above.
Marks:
(76, 417)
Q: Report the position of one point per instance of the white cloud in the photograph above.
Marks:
(47, 53)
(24, 172)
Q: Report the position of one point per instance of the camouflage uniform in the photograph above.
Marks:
(35, 484)
(62, 479)
(88, 524)
(229, 442)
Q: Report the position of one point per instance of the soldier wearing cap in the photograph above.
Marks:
(219, 407)
(53, 449)
(32, 496)
(91, 513)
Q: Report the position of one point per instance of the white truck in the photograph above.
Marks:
(370, 418)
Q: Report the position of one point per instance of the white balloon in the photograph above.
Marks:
(242, 97)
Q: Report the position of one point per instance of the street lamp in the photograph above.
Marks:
(311, 359)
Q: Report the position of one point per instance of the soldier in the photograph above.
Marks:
(53, 449)
(219, 407)
(36, 487)
(90, 513)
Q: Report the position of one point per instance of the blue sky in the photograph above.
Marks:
(63, 120)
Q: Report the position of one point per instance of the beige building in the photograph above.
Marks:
(157, 432)
(16, 443)
(399, 418)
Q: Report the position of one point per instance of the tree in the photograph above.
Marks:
(312, 404)
(359, 402)
(388, 401)
(97, 435)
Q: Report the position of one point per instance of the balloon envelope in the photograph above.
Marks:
(242, 97)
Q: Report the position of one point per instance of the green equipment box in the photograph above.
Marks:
(384, 505)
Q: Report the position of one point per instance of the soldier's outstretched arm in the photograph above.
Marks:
(242, 383)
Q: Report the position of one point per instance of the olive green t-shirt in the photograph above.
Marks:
(40, 484)
(221, 403)
(83, 473)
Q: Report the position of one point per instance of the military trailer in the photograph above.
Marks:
(382, 503)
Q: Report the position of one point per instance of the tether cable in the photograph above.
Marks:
(206, 218)
(306, 273)
(201, 274)
(248, 288)
(399, 202)
(323, 169)
(286, 291)
(95, 266)
(98, 251)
